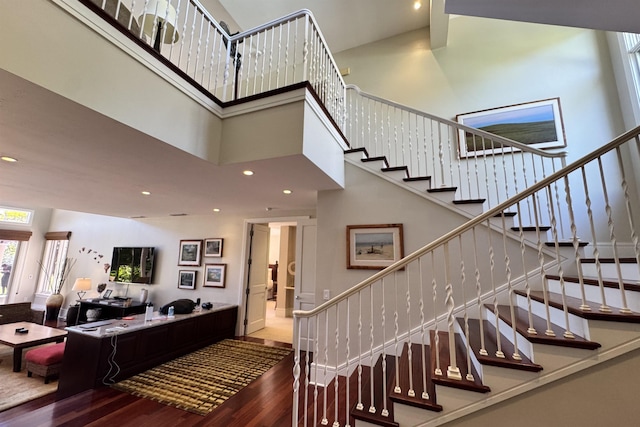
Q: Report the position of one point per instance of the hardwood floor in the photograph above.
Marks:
(265, 402)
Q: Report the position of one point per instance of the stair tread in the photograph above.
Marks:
(540, 325)
(491, 346)
(469, 201)
(609, 260)
(506, 214)
(376, 159)
(531, 228)
(442, 189)
(395, 168)
(635, 287)
(416, 373)
(356, 150)
(566, 244)
(417, 178)
(376, 376)
(573, 306)
(443, 354)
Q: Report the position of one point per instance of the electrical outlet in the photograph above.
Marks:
(326, 294)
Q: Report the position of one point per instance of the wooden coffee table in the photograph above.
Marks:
(37, 335)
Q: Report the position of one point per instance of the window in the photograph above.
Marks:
(15, 216)
(632, 45)
(53, 260)
(9, 249)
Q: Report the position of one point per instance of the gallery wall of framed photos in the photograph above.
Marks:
(192, 254)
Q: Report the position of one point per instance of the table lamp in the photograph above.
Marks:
(158, 21)
(81, 285)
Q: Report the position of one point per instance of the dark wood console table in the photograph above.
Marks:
(138, 346)
(109, 308)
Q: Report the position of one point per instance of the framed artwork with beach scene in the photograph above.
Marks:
(537, 124)
(374, 246)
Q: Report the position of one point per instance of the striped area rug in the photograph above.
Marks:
(200, 381)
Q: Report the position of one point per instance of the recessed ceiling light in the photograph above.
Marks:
(287, 191)
(247, 172)
(146, 193)
(417, 5)
(9, 159)
(216, 210)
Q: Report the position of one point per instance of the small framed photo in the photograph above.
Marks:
(374, 246)
(213, 247)
(190, 252)
(537, 124)
(187, 279)
(214, 275)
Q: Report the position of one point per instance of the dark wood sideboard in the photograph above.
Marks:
(138, 347)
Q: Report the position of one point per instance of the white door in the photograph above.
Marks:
(305, 278)
(256, 310)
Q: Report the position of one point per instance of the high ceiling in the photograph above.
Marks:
(73, 158)
(70, 157)
(344, 23)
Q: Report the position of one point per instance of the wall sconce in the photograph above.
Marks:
(158, 21)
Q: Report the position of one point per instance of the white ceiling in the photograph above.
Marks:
(73, 158)
(70, 157)
(344, 23)
(609, 15)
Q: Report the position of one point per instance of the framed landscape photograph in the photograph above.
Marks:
(190, 252)
(214, 275)
(538, 124)
(213, 247)
(374, 246)
(187, 279)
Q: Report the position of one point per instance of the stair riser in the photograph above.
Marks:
(629, 271)
(474, 360)
(508, 221)
(356, 156)
(592, 293)
(374, 166)
(396, 175)
(418, 185)
(474, 209)
(577, 325)
(445, 196)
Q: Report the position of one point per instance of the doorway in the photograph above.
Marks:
(278, 310)
(294, 249)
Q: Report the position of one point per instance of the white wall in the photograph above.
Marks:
(112, 80)
(602, 395)
(492, 63)
(102, 233)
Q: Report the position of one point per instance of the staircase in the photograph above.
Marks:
(540, 283)
(523, 302)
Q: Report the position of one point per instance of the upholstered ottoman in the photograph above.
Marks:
(45, 361)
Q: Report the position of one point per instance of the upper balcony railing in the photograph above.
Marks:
(275, 55)
(292, 50)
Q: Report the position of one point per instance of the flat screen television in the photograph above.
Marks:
(132, 265)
